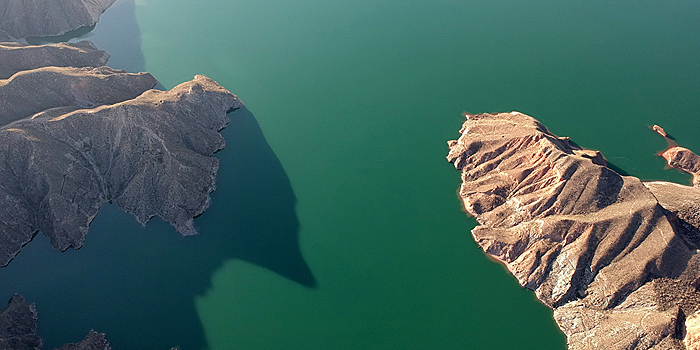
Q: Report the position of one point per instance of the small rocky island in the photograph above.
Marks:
(616, 258)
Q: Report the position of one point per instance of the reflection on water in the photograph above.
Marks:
(138, 284)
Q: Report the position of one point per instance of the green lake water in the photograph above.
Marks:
(335, 223)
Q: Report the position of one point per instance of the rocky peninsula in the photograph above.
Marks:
(73, 138)
(616, 258)
(18, 326)
(679, 157)
(75, 134)
(26, 18)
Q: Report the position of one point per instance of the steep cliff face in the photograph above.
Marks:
(25, 18)
(75, 134)
(594, 245)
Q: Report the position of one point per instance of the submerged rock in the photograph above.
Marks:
(595, 246)
(25, 18)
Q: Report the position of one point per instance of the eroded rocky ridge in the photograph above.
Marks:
(18, 322)
(75, 134)
(18, 325)
(73, 138)
(16, 57)
(24, 18)
(93, 341)
(58, 90)
(679, 157)
(613, 258)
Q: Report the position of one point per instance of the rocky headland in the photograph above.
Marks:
(616, 258)
(18, 326)
(27, 18)
(679, 157)
(75, 134)
(73, 138)
(18, 322)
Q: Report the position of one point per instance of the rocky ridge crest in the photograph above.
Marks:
(607, 252)
(75, 134)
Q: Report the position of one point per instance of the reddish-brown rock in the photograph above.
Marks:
(592, 244)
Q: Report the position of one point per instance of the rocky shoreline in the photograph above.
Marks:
(74, 138)
(18, 326)
(614, 257)
(20, 19)
(75, 134)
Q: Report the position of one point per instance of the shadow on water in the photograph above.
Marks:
(73, 34)
(137, 284)
(259, 211)
(610, 165)
(617, 169)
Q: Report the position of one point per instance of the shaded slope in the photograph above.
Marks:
(16, 57)
(24, 18)
(151, 155)
(587, 240)
(67, 89)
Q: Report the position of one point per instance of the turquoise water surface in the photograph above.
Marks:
(340, 227)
